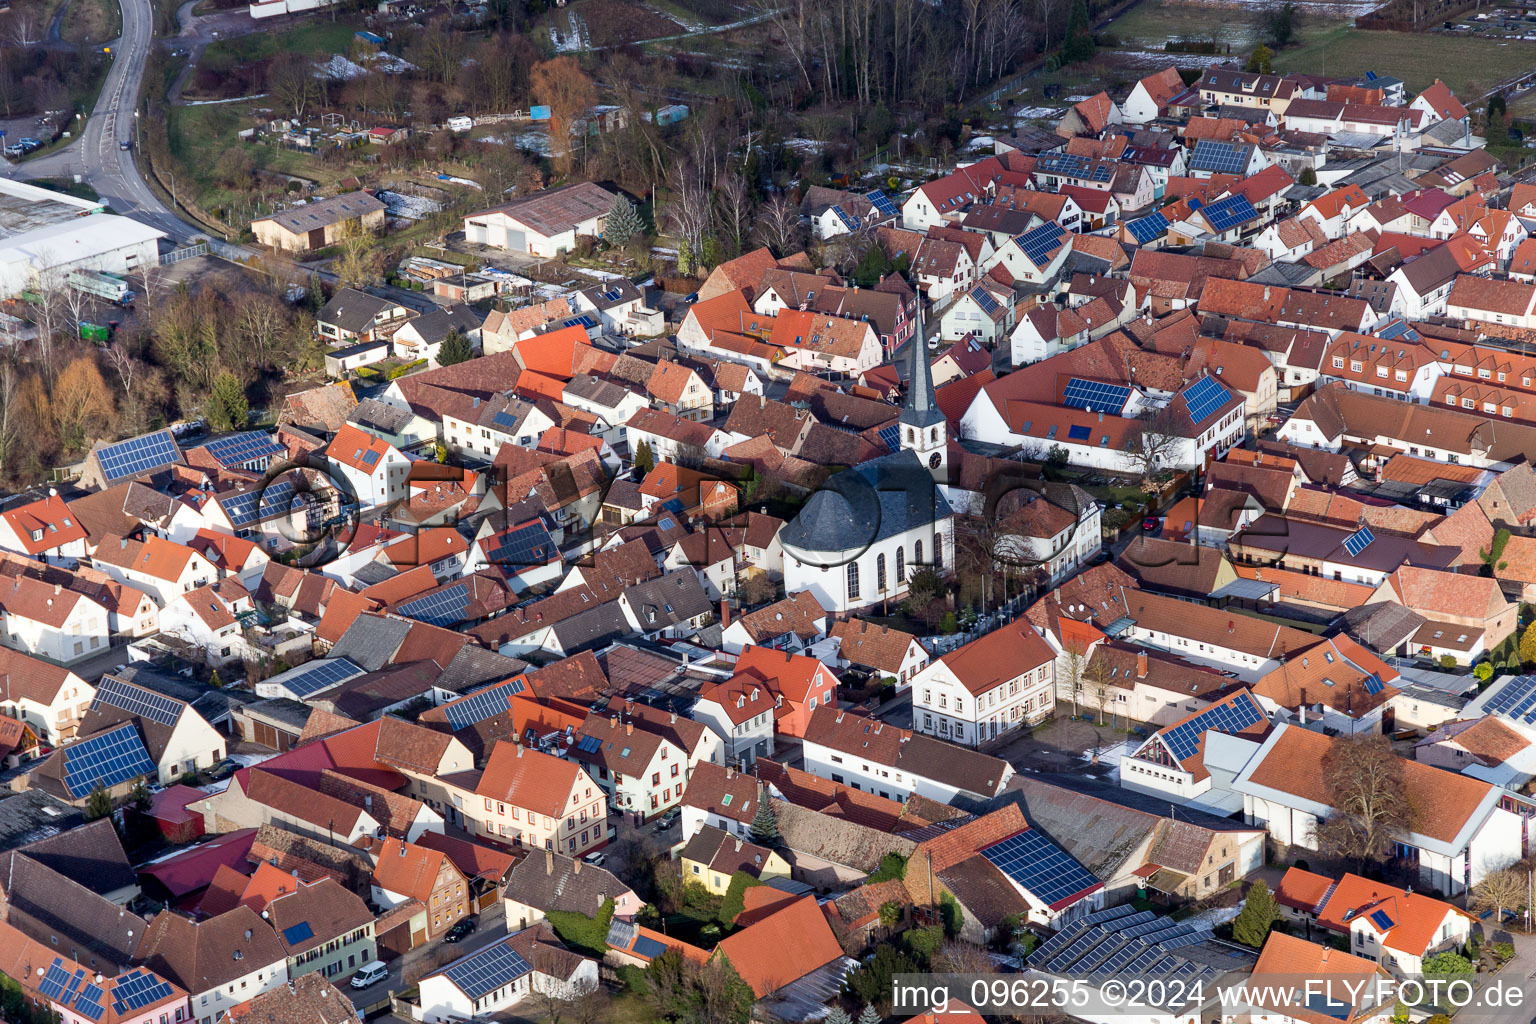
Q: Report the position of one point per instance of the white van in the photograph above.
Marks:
(460, 123)
(371, 973)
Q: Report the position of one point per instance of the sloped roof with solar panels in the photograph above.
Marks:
(1221, 157)
(1183, 742)
(137, 456)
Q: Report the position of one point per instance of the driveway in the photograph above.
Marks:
(1056, 745)
(425, 959)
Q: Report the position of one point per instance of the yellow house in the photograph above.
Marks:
(713, 856)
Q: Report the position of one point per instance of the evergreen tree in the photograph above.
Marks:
(455, 349)
(622, 223)
(765, 825)
(1308, 176)
(1259, 914)
(227, 406)
(870, 1015)
(644, 460)
(1528, 645)
(838, 1015)
(98, 804)
(1079, 45)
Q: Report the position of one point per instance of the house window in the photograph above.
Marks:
(901, 564)
(880, 571)
(917, 552)
(853, 579)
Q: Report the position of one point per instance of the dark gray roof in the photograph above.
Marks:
(372, 414)
(474, 666)
(1286, 275)
(325, 212)
(282, 710)
(857, 507)
(374, 572)
(1016, 792)
(91, 854)
(371, 641)
(61, 913)
(668, 600)
(352, 310)
(595, 627)
(32, 815)
(602, 296)
(596, 390)
(921, 408)
(555, 882)
(208, 701)
(1382, 626)
(433, 327)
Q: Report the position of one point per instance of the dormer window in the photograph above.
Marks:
(37, 534)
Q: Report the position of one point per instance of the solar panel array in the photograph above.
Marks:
(1183, 741)
(307, 680)
(106, 759)
(502, 419)
(1381, 919)
(1373, 684)
(137, 989)
(1359, 541)
(1229, 212)
(1038, 243)
(613, 295)
(477, 707)
(1044, 869)
(586, 320)
(649, 948)
(138, 455)
(1145, 229)
(1070, 165)
(1095, 396)
(525, 545)
(486, 971)
(1204, 397)
(445, 607)
(883, 204)
(88, 1002)
(276, 500)
(1078, 433)
(1219, 157)
(136, 700)
(589, 745)
(984, 299)
(1515, 699)
(240, 449)
(56, 980)
(890, 436)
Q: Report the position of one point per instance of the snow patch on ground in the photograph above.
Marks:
(1109, 757)
(1026, 113)
(390, 64)
(409, 207)
(601, 275)
(805, 145)
(340, 69)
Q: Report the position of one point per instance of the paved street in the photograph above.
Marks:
(110, 170)
(1520, 971)
(424, 959)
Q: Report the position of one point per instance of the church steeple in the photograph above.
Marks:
(923, 427)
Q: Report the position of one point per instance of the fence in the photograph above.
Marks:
(184, 253)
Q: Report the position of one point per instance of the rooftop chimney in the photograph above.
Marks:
(576, 865)
(1141, 664)
(549, 862)
(725, 614)
(629, 728)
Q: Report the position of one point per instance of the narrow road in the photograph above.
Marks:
(96, 156)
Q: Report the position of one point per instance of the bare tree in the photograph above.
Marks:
(778, 225)
(690, 213)
(291, 81)
(47, 309)
(734, 201)
(1073, 673)
(26, 30)
(1099, 686)
(10, 412)
(1154, 441)
(1500, 891)
(1364, 781)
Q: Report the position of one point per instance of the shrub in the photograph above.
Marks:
(736, 897)
(582, 933)
(1483, 671)
(892, 866)
(1447, 662)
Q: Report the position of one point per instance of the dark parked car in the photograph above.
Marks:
(223, 769)
(458, 931)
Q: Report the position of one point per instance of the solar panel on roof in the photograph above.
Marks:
(984, 299)
(521, 546)
(138, 455)
(487, 970)
(276, 500)
(88, 1002)
(890, 436)
(584, 320)
(307, 680)
(251, 446)
(54, 980)
(1038, 243)
(1359, 541)
(1145, 229)
(477, 707)
(649, 948)
(106, 759)
(1219, 157)
(1078, 433)
(1204, 397)
(445, 607)
(136, 700)
(589, 745)
(1373, 684)
(1042, 868)
(1381, 919)
(1230, 212)
(883, 204)
(1516, 689)
(1095, 396)
(370, 457)
(137, 989)
(1183, 740)
(294, 934)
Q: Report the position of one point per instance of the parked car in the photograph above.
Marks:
(667, 820)
(460, 930)
(370, 973)
(1151, 524)
(596, 858)
(223, 769)
(16, 150)
(125, 144)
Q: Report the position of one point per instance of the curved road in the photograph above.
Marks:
(112, 171)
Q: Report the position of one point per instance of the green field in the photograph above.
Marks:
(1469, 65)
(315, 37)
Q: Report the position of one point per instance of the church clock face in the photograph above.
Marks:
(933, 460)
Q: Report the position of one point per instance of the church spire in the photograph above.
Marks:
(921, 408)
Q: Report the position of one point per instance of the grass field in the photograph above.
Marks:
(92, 22)
(1332, 45)
(315, 37)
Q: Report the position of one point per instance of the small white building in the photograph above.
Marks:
(546, 223)
(376, 471)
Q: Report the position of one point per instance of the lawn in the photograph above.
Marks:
(1152, 23)
(315, 37)
(1470, 66)
(92, 22)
